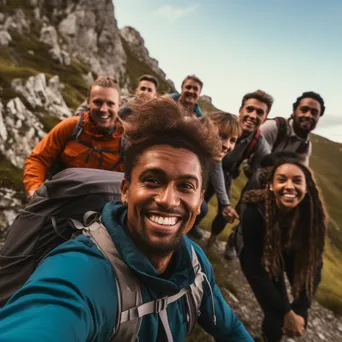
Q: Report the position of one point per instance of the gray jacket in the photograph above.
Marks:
(232, 162)
(290, 141)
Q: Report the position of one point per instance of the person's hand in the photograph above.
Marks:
(31, 192)
(294, 325)
(230, 214)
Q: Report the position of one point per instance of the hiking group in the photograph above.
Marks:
(102, 250)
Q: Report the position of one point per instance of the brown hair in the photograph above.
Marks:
(194, 78)
(261, 96)
(105, 82)
(162, 121)
(226, 123)
(149, 78)
(306, 233)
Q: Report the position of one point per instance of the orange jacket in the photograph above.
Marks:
(55, 147)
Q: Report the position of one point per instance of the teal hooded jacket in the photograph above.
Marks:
(72, 295)
(197, 108)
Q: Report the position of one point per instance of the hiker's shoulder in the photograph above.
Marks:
(78, 260)
(202, 257)
(261, 145)
(269, 127)
(253, 217)
(67, 124)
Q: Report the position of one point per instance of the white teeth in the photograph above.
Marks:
(166, 221)
(289, 195)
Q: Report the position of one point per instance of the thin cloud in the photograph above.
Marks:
(330, 120)
(173, 13)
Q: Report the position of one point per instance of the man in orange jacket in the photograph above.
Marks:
(92, 140)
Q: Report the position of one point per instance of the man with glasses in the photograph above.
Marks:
(293, 134)
(191, 90)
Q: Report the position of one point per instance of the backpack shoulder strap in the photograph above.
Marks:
(252, 144)
(121, 153)
(303, 148)
(282, 130)
(78, 129)
(128, 285)
(195, 295)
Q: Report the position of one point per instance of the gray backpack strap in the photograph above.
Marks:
(195, 295)
(128, 286)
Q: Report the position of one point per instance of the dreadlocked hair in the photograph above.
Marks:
(306, 235)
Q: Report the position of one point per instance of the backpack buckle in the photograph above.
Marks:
(160, 304)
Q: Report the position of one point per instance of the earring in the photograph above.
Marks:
(271, 189)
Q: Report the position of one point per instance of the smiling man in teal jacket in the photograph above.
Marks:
(72, 295)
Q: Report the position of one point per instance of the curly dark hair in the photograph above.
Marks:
(306, 233)
(162, 121)
(311, 95)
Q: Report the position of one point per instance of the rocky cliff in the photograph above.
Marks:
(51, 50)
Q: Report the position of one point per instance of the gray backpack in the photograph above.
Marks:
(131, 308)
(45, 222)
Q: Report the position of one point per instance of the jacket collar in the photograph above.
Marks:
(114, 217)
(91, 129)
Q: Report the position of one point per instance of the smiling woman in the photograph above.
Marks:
(283, 229)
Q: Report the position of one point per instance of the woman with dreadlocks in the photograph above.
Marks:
(283, 229)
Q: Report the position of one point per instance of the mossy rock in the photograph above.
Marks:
(10, 176)
(136, 68)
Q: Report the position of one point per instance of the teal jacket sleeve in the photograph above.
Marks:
(74, 302)
(227, 326)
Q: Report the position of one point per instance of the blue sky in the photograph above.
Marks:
(284, 47)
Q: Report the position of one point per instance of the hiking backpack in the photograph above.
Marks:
(248, 151)
(282, 124)
(45, 222)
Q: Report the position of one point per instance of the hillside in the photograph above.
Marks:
(50, 55)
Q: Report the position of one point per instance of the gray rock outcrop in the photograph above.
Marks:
(137, 46)
(43, 95)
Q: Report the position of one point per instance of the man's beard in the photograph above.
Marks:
(107, 131)
(161, 249)
(184, 99)
(302, 132)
